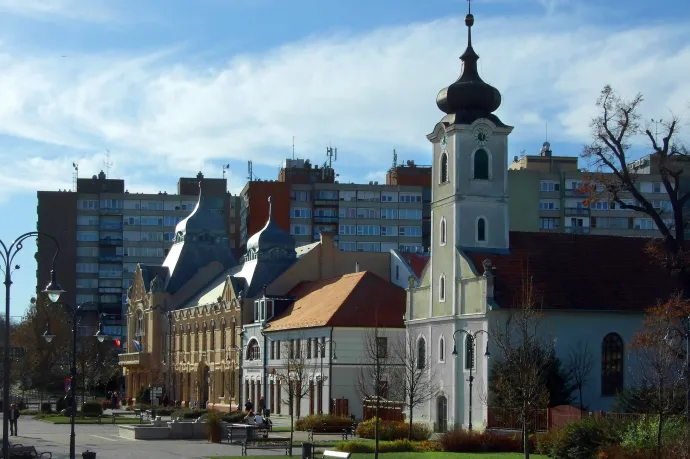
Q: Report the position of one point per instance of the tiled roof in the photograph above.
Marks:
(577, 272)
(416, 261)
(354, 300)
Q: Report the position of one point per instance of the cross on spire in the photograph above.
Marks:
(270, 207)
(469, 6)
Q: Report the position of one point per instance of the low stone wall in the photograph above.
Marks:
(160, 430)
(144, 432)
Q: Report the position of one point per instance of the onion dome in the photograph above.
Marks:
(469, 98)
(271, 236)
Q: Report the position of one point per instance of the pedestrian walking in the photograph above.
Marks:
(248, 407)
(262, 405)
(14, 415)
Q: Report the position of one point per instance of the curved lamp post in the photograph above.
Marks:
(471, 340)
(48, 335)
(7, 256)
(334, 358)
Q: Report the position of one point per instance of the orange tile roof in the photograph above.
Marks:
(354, 300)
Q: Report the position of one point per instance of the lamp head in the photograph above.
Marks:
(48, 336)
(100, 335)
(455, 351)
(53, 289)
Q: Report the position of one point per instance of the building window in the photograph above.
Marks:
(222, 335)
(213, 336)
(611, 364)
(443, 231)
(253, 351)
(442, 288)
(481, 229)
(469, 353)
(444, 167)
(481, 164)
(421, 354)
(442, 349)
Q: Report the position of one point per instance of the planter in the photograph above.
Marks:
(215, 434)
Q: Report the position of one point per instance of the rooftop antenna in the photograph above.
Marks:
(107, 163)
(395, 158)
(546, 131)
(250, 174)
(225, 168)
(332, 154)
(656, 129)
(293, 147)
(75, 176)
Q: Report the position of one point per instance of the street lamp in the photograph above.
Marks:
(471, 340)
(100, 335)
(334, 358)
(7, 256)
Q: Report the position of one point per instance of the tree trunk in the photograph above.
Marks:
(658, 435)
(582, 406)
(292, 429)
(409, 427)
(525, 431)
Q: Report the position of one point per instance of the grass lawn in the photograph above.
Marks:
(418, 456)
(60, 419)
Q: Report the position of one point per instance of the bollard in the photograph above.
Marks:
(88, 454)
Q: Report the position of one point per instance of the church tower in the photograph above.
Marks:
(470, 154)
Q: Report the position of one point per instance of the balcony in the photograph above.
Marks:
(110, 258)
(110, 226)
(109, 241)
(325, 220)
(110, 211)
(579, 211)
(131, 359)
(576, 192)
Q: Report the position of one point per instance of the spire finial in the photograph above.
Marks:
(270, 207)
(469, 22)
(469, 6)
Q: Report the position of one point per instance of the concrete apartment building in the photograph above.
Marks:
(104, 231)
(365, 217)
(546, 195)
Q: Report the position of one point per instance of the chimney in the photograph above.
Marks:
(357, 267)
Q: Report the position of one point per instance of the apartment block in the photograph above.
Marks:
(546, 195)
(104, 231)
(368, 217)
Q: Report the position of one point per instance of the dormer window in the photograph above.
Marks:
(263, 309)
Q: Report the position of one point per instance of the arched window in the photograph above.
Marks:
(611, 364)
(442, 349)
(139, 326)
(443, 231)
(222, 335)
(481, 229)
(481, 164)
(421, 354)
(444, 168)
(253, 352)
(189, 338)
(469, 353)
(203, 337)
(213, 335)
(196, 337)
(442, 288)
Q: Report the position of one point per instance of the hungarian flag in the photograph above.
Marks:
(137, 345)
(117, 342)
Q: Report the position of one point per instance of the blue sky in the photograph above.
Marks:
(171, 87)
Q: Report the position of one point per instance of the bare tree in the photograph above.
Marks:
(375, 374)
(414, 380)
(580, 365)
(613, 132)
(294, 375)
(521, 342)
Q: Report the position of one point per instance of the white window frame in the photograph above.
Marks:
(442, 287)
(486, 230)
(443, 236)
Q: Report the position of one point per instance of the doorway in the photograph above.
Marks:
(441, 414)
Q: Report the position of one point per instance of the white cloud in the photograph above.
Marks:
(364, 93)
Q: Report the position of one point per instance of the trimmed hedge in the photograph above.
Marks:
(91, 409)
(359, 446)
(234, 417)
(46, 407)
(316, 420)
(392, 430)
(464, 441)
(188, 413)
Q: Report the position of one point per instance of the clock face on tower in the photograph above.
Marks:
(482, 135)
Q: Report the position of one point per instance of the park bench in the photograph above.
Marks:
(268, 443)
(343, 431)
(19, 451)
(335, 454)
(238, 433)
(101, 416)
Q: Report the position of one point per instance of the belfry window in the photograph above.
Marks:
(481, 164)
(481, 230)
(444, 167)
(443, 230)
(611, 364)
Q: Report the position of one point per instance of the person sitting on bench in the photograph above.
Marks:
(249, 418)
(259, 420)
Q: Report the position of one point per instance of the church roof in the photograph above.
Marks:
(569, 271)
(271, 236)
(469, 98)
(417, 262)
(353, 300)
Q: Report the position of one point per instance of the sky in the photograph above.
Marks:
(171, 87)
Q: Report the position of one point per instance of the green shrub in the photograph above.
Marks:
(91, 409)
(392, 430)
(309, 422)
(464, 441)
(60, 404)
(359, 446)
(235, 417)
(164, 411)
(46, 407)
(584, 438)
(642, 434)
(144, 395)
(29, 412)
(187, 413)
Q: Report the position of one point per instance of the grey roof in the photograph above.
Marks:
(200, 239)
(271, 237)
(150, 272)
